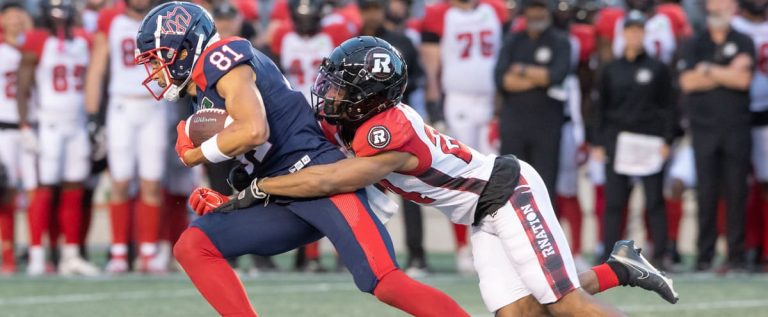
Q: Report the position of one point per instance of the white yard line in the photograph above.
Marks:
(154, 294)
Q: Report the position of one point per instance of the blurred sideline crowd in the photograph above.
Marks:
(665, 95)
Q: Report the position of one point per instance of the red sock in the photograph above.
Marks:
(70, 214)
(753, 225)
(461, 235)
(764, 211)
(600, 209)
(674, 215)
(7, 233)
(148, 222)
(312, 251)
(120, 217)
(177, 216)
(721, 220)
(211, 274)
(39, 213)
(606, 277)
(570, 210)
(400, 291)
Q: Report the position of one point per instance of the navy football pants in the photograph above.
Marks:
(362, 242)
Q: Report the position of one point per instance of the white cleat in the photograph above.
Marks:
(36, 266)
(117, 265)
(77, 266)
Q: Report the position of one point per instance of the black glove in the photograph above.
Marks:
(97, 136)
(238, 178)
(436, 113)
(246, 198)
(4, 184)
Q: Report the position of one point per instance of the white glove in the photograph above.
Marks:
(29, 140)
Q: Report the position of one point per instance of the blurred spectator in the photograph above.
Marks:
(379, 20)
(341, 12)
(635, 96)
(716, 68)
(572, 138)
(460, 44)
(13, 18)
(753, 22)
(90, 14)
(63, 161)
(529, 74)
(230, 22)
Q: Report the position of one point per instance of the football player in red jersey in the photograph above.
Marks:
(358, 94)
(54, 61)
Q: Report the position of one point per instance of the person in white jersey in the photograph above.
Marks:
(137, 134)
(460, 44)
(519, 249)
(12, 155)
(54, 60)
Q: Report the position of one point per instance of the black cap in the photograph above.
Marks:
(634, 18)
(363, 4)
(537, 4)
(11, 4)
(224, 10)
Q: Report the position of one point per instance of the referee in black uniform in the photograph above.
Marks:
(529, 75)
(716, 71)
(634, 96)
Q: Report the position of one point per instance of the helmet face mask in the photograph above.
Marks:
(159, 78)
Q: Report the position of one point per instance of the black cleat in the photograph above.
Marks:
(641, 272)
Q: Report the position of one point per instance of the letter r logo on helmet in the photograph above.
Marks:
(381, 63)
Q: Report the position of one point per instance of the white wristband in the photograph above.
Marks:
(212, 152)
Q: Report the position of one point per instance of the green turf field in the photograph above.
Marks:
(297, 294)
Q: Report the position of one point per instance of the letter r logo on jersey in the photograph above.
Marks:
(381, 63)
(379, 137)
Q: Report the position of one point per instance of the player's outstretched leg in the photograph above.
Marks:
(626, 266)
(203, 248)
(365, 247)
(211, 274)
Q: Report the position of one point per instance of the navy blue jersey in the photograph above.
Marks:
(295, 138)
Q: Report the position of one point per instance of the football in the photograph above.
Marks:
(204, 124)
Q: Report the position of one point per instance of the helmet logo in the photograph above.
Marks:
(176, 22)
(379, 137)
(379, 62)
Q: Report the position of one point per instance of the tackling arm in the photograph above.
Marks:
(246, 107)
(343, 176)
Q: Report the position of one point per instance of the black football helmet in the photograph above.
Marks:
(363, 76)
(644, 6)
(58, 13)
(306, 16)
(755, 7)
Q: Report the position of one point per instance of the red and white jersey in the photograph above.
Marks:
(659, 41)
(469, 44)
(300, 56)
(759, 34)
(60, 70)
(450, 176)
(11, 58)
(120, 31)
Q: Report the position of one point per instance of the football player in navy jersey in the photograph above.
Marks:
(274, 132)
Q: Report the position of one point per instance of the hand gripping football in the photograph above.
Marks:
(204, 124)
